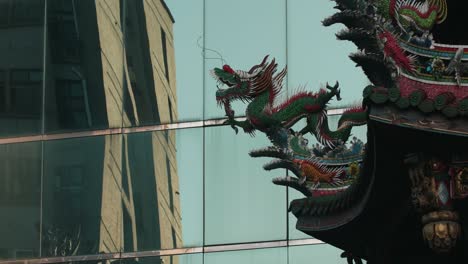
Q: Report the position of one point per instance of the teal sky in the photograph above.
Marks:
(244, 31)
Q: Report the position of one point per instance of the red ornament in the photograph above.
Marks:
(228, 68)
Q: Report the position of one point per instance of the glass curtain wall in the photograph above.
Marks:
(112, 145)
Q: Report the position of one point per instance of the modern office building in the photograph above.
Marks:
(112, 147)
(66, 71)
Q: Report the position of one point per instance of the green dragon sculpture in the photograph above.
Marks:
(260, 87)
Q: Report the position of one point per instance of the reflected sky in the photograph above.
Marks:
(241, 202)
(189, 145)
(316, 57)
(188, 29)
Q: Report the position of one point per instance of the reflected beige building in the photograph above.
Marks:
(107, 64)
(21, 63)
(21, 75)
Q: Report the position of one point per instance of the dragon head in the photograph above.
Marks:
(241, 85)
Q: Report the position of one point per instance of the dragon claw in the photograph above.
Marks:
(227, 122)
(302, 180)
(338, 95)
(230, 121)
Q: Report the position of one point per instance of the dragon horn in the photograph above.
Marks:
(337, 84)
(259, 65)
(335, 89)
(272, 65)
(332, 88)
(264, 60)
(251, 73)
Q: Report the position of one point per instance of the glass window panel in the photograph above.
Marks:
(163, 184)
(189, 146)
(20, 191)
(155, 32)
(35, 76)
(20, 76)
(360, 132)
(175, 259)
(2, 91)
(4, 12)
(321, 253)
(25, 13)
(188, 35)
(85, 52)
(82, 209)
(242, 204)
(25, 89)
(256, 256)
(21, 46)
(242, 32)
(316, 57)
(147, 87)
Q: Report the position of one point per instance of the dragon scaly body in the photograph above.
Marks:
(318, 125)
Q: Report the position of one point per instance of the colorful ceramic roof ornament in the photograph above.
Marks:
(399, 198)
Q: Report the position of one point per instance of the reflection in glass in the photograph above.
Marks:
(153, 213)
(84, 63)
(20, 190)
(242, 32)
(82, 209)
(189, 146)
(242, 204)
(149, 85)
(256, 256)
(162, 190)
(322, 253)
(188, 29)
(21, 46)
(316, 57)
